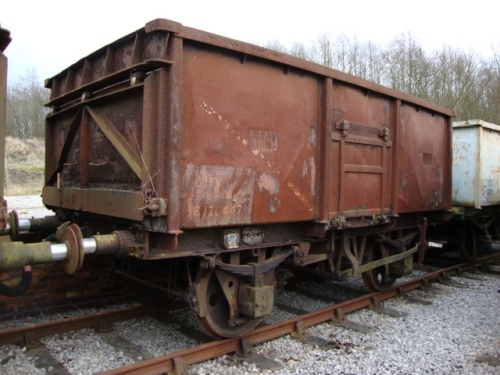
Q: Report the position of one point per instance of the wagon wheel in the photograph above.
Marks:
(139, 279)
(377, 279)
(467, 246)
(217, 319)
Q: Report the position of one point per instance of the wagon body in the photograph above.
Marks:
(202, 164)
(178, 130)
(476, 164)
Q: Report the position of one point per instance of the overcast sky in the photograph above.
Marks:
(50, 35)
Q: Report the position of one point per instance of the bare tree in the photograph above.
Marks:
(455, 81)
(407, 66)
(300, 51)
(323, 51)
(25, 110)
(374, 63)
(490, 87)
(356, 59)
(341, 49)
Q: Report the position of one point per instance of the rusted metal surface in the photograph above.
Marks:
(3, 214)
(228, 134)
(425, 161)
(21, 335)
(362, 130)
(256, 129)
(109, 202)
(15, 255)
(476, 164)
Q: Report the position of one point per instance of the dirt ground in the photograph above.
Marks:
(28, 206)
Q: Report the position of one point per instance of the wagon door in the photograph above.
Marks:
(361, 133)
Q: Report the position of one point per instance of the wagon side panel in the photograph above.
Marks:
(424, 175)
(250, 140)
(491, 167)
(361, 137)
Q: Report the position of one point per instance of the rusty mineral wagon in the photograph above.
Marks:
(204, 163)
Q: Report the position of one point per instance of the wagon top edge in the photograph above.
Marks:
(476, 122)
(196, 35)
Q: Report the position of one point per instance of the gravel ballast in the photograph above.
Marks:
(460, 327)
(457, 334)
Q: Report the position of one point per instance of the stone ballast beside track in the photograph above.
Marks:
(453, 335)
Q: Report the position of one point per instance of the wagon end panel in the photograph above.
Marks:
(490, 181)
(103, 135)
(424, 159)
(250, 140)
(92, 151)
(361, 136)
(466, 166)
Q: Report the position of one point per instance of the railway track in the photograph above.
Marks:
(204, 348)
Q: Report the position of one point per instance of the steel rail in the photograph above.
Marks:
(179, 360)
(29, 335)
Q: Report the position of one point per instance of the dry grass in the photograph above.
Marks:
(25, 166)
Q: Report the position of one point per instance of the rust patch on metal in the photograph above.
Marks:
(271, 184)
(404, 181)
(301, 196)
(313, 175)
(310, 169)
(313, 137)
(436, 195)
(272, 167)
(487, 189)
(218, 195)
